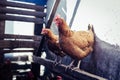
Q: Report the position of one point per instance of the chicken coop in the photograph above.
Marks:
(24, 54)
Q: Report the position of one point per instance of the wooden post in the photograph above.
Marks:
(2, 26)
(2, 31)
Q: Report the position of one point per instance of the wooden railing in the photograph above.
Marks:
(15, 11)
(37, 12)
(11, 42)
(76, 74)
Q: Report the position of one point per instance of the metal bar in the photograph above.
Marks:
(38, 53)
(61, 69)
(48, 25)
(52, 14)
(74, 12)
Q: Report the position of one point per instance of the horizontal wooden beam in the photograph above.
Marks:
(15, 72)
(13, 36)
(22, 12)
(75, 74)
(16, 66)
(14, 51)
(11, 44)
(17, 59)
(18, 18)
(21, 5)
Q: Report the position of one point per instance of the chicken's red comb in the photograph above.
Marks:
(56, 17)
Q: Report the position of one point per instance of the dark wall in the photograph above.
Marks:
(104, 61)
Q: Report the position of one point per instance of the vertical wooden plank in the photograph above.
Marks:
(2, 26)
(37, 30)
(2, 31)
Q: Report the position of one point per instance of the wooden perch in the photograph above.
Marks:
(74, 74)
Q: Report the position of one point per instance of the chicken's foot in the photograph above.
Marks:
(78, 66)
(70, 66)
(57, 61)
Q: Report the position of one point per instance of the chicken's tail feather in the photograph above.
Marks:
(90, 27)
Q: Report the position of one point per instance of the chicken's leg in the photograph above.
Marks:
(86, 50)
(71, 64)
(78, 65)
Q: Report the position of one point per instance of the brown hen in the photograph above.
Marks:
(76, 44)
(53, 43)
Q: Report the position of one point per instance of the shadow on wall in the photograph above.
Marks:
(104, 61)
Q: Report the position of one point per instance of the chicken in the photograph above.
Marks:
(76, 44)
(53, 43)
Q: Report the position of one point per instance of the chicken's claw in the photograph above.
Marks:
(44, 31)
(72, 67)
(56, 61)
(69, 67)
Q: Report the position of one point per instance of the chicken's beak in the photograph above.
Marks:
(43, 31)
(55, 20)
